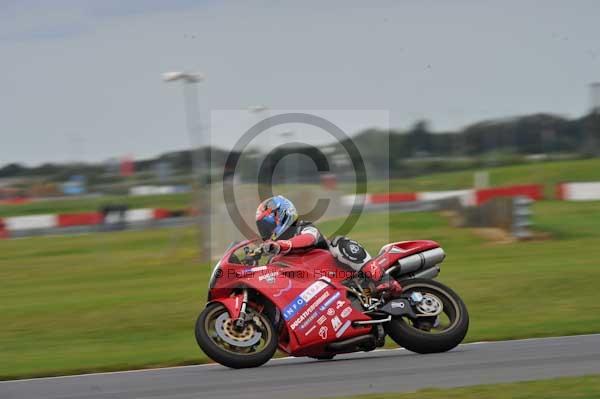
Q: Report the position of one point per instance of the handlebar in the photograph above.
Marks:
(258, 251)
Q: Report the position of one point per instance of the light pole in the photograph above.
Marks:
(199, 164)
(261, 112)
(287, 136)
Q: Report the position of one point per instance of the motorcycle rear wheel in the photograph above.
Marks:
(419, 335)
(253, 346)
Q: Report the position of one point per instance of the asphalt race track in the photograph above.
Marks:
(379, 371)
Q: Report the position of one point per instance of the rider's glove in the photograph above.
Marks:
(271, 247)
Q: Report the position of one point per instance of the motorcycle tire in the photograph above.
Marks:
(224, 354)
(416, 340)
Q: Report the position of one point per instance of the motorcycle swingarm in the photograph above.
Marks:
(398, 307)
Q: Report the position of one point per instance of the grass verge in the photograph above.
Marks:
(128, 300)
(587, 387)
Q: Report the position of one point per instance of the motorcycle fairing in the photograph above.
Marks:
(301, 300)
(304, 287)
(393, 252)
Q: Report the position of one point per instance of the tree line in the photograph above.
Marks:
(418, 150)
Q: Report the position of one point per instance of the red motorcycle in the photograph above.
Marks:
(309, 305)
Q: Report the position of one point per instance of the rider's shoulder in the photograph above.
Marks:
(308, 228)
(302, 224)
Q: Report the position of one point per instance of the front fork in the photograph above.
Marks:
(236, 306)
(240, 321)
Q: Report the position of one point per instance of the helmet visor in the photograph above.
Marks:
(265, 228)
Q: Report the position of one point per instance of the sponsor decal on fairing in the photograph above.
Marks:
(310, 319)
(300, 301)
(307, 333)
(307, 313)
(269, 277)
(286, 289)
(346, 312)
(330, 312)
(336, 323)
(343, 329)
(330, 301)
(255, 269)
(323, 332)
(313, 290)
(322, 320)
(339, 304)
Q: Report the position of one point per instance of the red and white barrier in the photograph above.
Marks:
(387, 198)
(467, 197)
(31, 222)
(589, 191)
(160, 213)
(139, 215)
(37, 222)
(532, 191)
(3, 230)
(79, 219)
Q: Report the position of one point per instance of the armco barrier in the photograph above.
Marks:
(79, 219)
(531, 191)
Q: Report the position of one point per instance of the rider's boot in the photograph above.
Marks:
(385, 285)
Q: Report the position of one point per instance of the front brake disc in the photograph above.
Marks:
(249, 336)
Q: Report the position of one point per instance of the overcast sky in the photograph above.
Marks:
(81, 79)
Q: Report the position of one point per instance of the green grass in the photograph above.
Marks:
(587, 387)
(128, 300)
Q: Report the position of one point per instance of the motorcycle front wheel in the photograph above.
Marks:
(218, 337)
(442, 321)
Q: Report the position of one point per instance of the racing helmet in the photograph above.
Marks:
(274, 216)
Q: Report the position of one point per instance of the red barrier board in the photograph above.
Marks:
(3, 231)
(561, 191)
(15, 201)
(160, 213)
(532, 191)
(79, 219)
(392, 197)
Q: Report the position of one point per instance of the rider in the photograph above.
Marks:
(282, 233)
